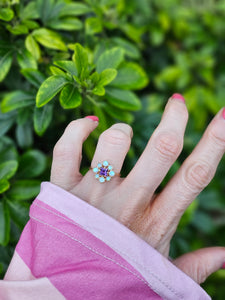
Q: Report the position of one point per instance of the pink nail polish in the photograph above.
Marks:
(223, 113)
(178, 97)
(93, 118)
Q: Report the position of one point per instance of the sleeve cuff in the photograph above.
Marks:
(165, 279)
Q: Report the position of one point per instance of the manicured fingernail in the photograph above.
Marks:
(178, 97)
(223, 113)
(93, 118)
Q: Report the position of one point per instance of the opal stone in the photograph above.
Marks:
(110, 167)
(99, 165)
(111, 173)
(95, 170)
(102, 179)
(108, 178)
(105, 163)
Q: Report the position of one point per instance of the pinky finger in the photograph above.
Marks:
(201, 263)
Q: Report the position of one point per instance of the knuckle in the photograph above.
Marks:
(168, 145)
(219, 141)
(61, 150)
(115, 137)
(198, 175)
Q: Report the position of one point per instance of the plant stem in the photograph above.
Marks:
(92, 100)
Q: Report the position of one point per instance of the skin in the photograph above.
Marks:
(132, 200)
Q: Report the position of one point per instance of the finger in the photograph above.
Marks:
(112, 147)
(193, 176)
(67, 153)
(202, 263)
(161, 151)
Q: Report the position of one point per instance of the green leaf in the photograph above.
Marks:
(57, 71)
(15, 100)
(33, 47)
(31, 164)
(5, 64)
(107, 76)
(119, 114)
(110, 59)
(24, 115)
(130, 76)
(24, 135)
(66, 24)
(17, 29)
(6, 122)
(30, 24)
(19, 212)
(4, 224)
(4, 185)
(6, 14)
(24, 190)
(123, 99)
(133, 32)
(103, 120)
(81, 60)
(29, 11)
(7, 149)
(35, 77)
(68, 66)
(75, 9)
(49, 39)
(42, 118)
(49, 88)
(130, 49)
(99, 90)
(95, 77)
(26, 60)
(46, 9)
(70, 97)
(8, 169)
(93, 25)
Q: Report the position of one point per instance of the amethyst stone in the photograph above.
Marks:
(103, 172)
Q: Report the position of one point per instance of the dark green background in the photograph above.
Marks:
(179, 44)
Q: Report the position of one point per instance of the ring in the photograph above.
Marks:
(104, 171)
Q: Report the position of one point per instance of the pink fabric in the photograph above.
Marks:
(78, 264)
(71, 250)
(165, 279)
(20, 284)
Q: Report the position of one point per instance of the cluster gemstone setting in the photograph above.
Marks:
(104, 171)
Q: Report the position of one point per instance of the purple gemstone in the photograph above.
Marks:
(103, 172)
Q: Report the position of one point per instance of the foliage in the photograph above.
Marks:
(119, 60)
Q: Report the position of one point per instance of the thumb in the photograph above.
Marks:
(201, 263)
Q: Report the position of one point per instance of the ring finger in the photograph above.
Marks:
(112, 147)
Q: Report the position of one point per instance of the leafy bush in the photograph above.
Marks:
(119, 60)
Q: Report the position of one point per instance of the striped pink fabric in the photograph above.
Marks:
(71, 250)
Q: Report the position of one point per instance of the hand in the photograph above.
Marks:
(132, 200)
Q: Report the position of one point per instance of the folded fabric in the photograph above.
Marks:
(71, 250)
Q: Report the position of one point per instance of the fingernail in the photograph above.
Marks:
(223, 266)
(178, 97)
(223, 113)
(93, 118)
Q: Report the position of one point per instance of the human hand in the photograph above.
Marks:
(132, 200)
